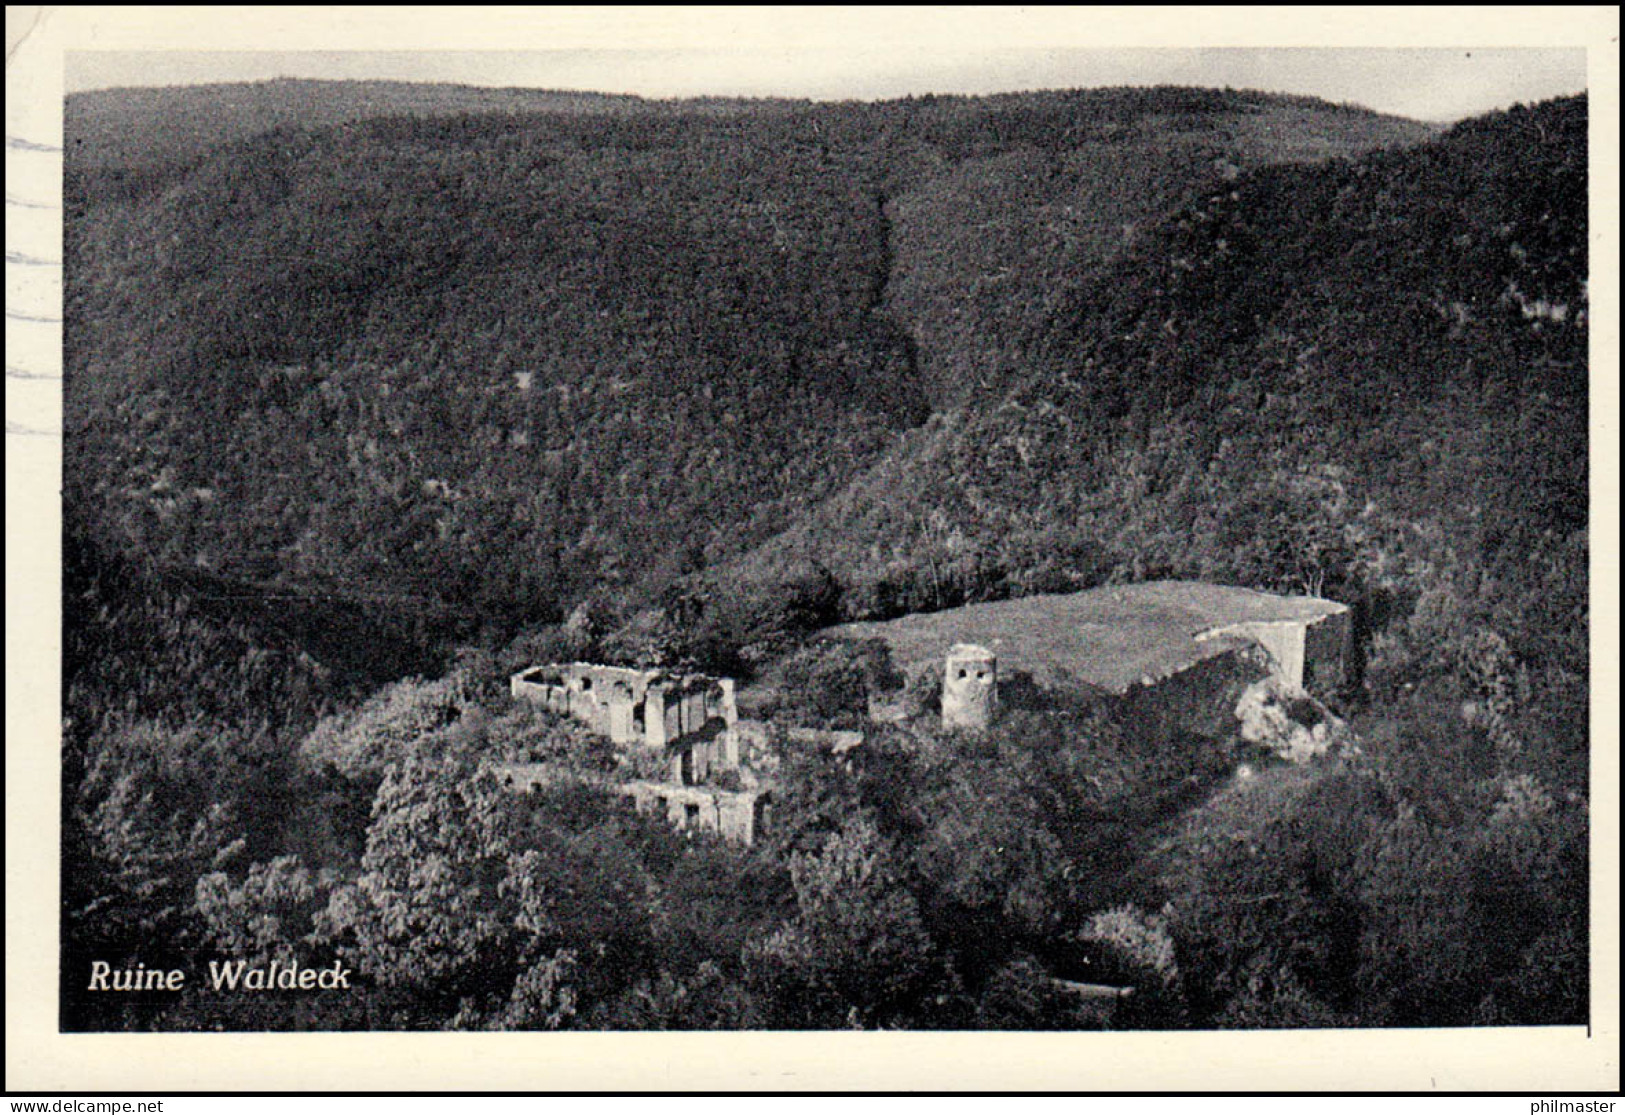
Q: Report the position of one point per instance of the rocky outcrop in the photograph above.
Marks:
(1287, 721)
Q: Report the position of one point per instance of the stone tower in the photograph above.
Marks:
(969, 687)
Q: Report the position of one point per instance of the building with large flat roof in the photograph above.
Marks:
(1121, 638)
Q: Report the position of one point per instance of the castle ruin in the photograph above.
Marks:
(689, 722)
(648, 707)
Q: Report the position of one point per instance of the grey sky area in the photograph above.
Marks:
(1423, 83)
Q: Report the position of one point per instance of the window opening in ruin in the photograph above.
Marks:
(961, 673)
(691, 814)
(688, 767)
(586, 684)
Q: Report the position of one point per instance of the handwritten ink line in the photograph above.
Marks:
(18, 143)
(14, 372)
(30, 261)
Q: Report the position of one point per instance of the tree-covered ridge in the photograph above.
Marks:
(135, 131)
(500, 360)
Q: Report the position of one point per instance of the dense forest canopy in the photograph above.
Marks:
(376, 392)
(498, 360)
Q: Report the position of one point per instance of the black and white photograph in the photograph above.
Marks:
(1042, 539)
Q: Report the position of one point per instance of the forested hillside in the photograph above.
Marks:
(500, 361)
(417, 393)
(1304, 379)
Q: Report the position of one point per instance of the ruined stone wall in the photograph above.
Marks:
(699, 757)
(1327, 658)
(1202, 698)
(539, 686)
(834, 740)
(630, 706)
(1283, 640)
(752, 741)
(734, 815)
(605, 698)
(526, 777)
(1307, 655)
